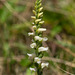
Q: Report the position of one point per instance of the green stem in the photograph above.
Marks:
(39, 71)
(39, 44)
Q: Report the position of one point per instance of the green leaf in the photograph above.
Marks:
(28, 72)
(6, 48)
(55, 30)
(25, 62)
(5, 14)
(20, 8)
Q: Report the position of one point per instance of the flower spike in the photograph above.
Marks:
(38, 39)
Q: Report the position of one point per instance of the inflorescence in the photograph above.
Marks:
(38, 39)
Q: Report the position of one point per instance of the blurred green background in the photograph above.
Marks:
(15, 23)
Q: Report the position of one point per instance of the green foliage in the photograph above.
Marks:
(25, 62)
(56, 30)
(4, 15)
(28, 72)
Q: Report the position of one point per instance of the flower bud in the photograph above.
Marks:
(37, 20)
(29, 34)
(40, 5)
(41, 29)
(40, 14)
(41, 22)
(40, 9)
(33, 17)
(34, 12)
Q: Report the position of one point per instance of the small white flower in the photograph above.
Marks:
(34, 27)
(40, 49)
(44, 65)
(33, 45)
(30, 55)
(37, 59)
(41, 29)
(30, 34)
(32, 69)
(38, 38)
(33, 23)
(45, 39)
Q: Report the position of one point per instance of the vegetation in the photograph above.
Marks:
(16, 23)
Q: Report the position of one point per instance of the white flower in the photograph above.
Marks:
(44, 65)
(34, 27)
(33, 23)
(32, 69)
(33, 45)
(45, 39)
(37, 59)
(40, 49)
(30, 34)
(30, 55)
(41, 29)
(38, 38)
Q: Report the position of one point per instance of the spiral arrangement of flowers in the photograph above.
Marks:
(38, 39)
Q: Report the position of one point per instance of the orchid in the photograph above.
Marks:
(38, 39)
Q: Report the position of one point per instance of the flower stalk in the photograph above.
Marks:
(38, 38)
